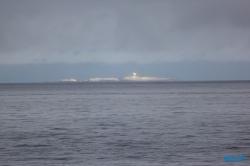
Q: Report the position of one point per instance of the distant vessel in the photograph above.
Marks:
(103, 79)
(67, 80)
(135, 77)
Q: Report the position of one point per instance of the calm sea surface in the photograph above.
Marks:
(124, 124)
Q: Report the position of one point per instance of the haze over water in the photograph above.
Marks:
(124, 124)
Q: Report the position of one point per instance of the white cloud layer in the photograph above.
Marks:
(110, 31)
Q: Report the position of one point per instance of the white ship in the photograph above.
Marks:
(135, 77)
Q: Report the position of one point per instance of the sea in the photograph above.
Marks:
(173, 123)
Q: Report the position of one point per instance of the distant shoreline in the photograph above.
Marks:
(135, 82)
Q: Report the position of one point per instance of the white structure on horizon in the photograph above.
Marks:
(67, 80)
(103, 79)
(135, 77)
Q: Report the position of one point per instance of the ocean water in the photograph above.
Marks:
(124, 124)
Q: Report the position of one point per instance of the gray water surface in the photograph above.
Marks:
(124, 124)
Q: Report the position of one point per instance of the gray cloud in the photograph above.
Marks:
(141, 31)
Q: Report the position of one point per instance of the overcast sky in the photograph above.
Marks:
(124, 31)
